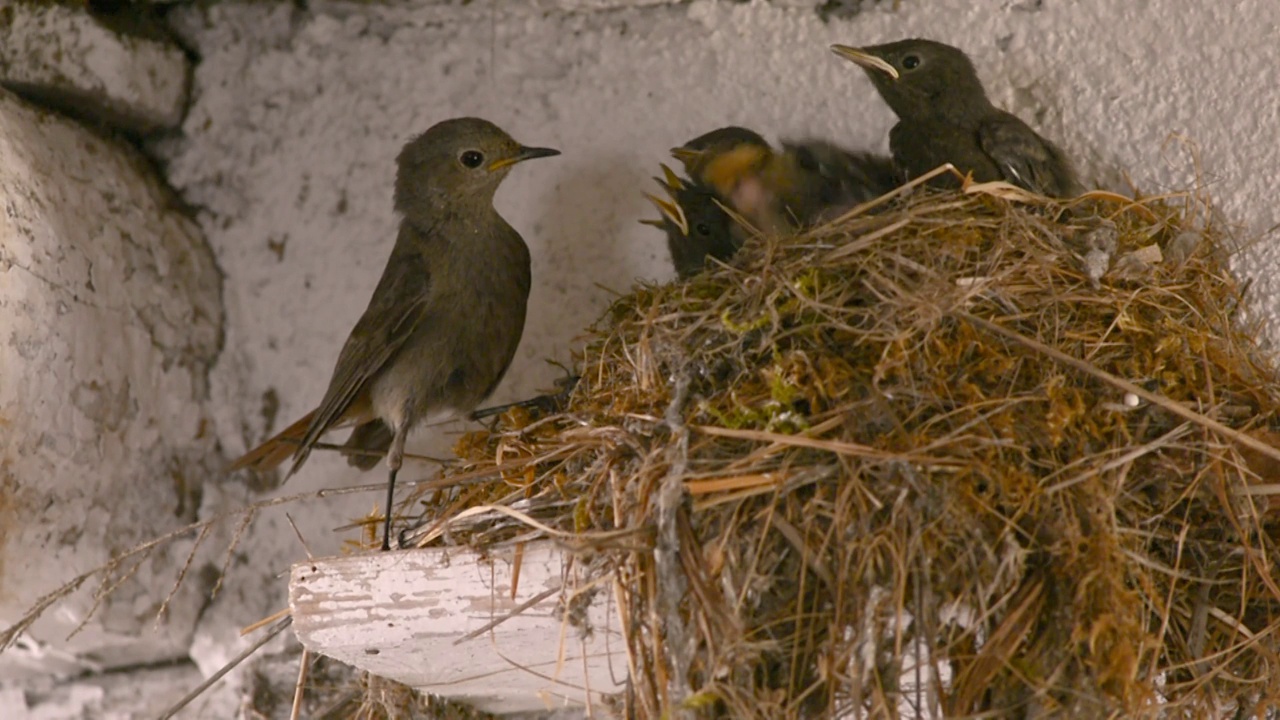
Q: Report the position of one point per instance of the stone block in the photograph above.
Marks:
(110, 316)
(64, 56)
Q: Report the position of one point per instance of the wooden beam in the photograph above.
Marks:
(444, 621)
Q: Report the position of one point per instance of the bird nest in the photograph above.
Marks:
(963, 452)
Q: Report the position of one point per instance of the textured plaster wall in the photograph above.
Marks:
(69, 59)
(110, 314)
(288, 149)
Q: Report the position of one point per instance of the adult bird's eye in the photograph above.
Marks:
(703, 229)
(472, 158)
(910, 62)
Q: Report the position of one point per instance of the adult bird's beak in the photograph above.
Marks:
(524, 153)
(865, 59)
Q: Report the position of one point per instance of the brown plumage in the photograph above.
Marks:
(808, 182)
(445, 318)
(944, 116)
(696, 154)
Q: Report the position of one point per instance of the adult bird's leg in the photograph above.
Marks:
(395, 458)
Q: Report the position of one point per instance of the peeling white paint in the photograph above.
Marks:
(407, 616)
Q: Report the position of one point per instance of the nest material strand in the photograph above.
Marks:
(912, 477)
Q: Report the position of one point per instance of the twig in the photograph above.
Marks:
(350, 452)
(231, 665)
(11, 633)
(1121, 461)
(182, 574)
(264, 621)
(792, 534)
(865, 240)
(666, 555)
(834, 446)
(1159, 400)
(301, 540)
(303, 663)
(546, 402)
(566, 535)
(900, 190)
(508, 615)
(236, 536)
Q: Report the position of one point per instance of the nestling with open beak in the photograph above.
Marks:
(697, 227)
(775, 192)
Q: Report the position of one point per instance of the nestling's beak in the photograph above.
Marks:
(671, 211)
(670, 180)
(524, 153)
(865, 59)
(685, 155)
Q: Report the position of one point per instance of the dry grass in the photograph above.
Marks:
(922, 432)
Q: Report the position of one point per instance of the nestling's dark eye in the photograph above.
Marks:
(910, 62)
(703, 229)
(472, 159)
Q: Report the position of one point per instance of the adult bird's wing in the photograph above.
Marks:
(399, 305)
(1026, 159)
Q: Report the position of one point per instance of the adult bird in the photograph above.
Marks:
(445, 318)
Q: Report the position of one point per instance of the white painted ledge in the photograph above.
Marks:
(409, 615)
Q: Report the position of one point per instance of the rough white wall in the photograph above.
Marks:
(288, 150)
(67, 57)
(110, 315)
